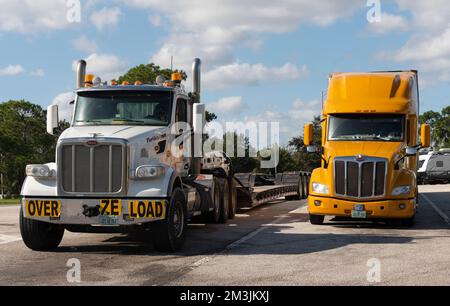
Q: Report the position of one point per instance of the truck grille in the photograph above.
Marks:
(92, 169)
(360, 179)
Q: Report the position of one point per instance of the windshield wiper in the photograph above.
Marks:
(128, 120)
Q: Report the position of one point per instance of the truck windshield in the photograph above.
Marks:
(367, 128)
(123, 108)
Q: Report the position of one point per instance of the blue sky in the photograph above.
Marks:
(263, 60)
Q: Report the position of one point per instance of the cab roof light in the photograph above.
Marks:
(125, 83)
(138, 83)
(89, 80)
(177, 77)
(113, 82)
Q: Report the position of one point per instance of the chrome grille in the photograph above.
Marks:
(360, 179)
(92, 169)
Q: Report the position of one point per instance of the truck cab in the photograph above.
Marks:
(131, 159)
(369, 148)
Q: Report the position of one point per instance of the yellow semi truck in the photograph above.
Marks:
(369, 148)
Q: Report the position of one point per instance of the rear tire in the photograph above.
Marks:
(40, 236)
(233, 200)
(169, 235)
(225, 205)
(316, 220)
(214, 215)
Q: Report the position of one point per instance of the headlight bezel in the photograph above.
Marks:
(320, 188)
(401, 190)
(148, 172)
(40, 171)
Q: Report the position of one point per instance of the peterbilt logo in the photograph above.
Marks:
(360, 158)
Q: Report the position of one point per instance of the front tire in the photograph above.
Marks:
(316, 220)
(169, 235)
(40, 236)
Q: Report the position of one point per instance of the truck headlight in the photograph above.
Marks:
(148, 172)
(401, 190)
(320, 188)
(40, 171)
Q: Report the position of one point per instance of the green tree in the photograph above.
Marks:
(305, 161)
(24, 140)
(440, 126)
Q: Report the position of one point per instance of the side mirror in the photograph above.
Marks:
(412, 151)
(425, 135)
(308, 136)
(311, 149)
(52, 119)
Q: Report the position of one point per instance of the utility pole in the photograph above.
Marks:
(1, 179)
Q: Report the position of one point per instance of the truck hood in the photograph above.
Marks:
(119, 132)
(387, 150)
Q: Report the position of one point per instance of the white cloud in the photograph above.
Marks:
(11, 70)
(212, 30)
(25, 16)
(84, 44)
(106, 66)
(388, 23)
(155, 20)
(65, 109)
(106, 17)
(292, 121)
(227, 106)
(239, 74)
(428, 48)
(38, 73)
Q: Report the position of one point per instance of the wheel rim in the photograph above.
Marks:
(178, 220)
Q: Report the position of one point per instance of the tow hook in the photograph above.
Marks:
(90, 211)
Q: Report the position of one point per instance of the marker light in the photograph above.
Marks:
(138, 83)
(113, 83)
(125, 83)
(149, 172)
(40, 171)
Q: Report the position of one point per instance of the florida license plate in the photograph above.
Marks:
(359, 212)
(108, 220)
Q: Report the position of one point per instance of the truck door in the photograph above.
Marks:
(181, 120)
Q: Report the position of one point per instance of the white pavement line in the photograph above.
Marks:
(235, 244)
(437, 209)
(252, 234)
(5, 239)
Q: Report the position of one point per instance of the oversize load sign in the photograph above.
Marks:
(147, 209)
(43, 208)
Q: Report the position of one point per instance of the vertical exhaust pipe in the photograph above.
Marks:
(196, 79)
(197, 141)
(81, 73)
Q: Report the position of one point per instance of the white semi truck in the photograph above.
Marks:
(125, 164)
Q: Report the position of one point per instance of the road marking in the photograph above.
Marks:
(437, 209)
(5, 239)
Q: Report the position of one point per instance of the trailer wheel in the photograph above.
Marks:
(316, 219)
(169, 235)
(233, 199)
(40, 236)
(225, 205)
(214, 216)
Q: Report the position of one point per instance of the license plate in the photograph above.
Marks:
(149, 210)
(43, 208)
(108, 220)
(359, 214)
(111, 207)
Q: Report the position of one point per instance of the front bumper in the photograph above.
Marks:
(87, 211)
(387, 209)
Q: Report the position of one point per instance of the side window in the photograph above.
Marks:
(181, 112)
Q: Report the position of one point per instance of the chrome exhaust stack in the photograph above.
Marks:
(198, 119)
(81, 73)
